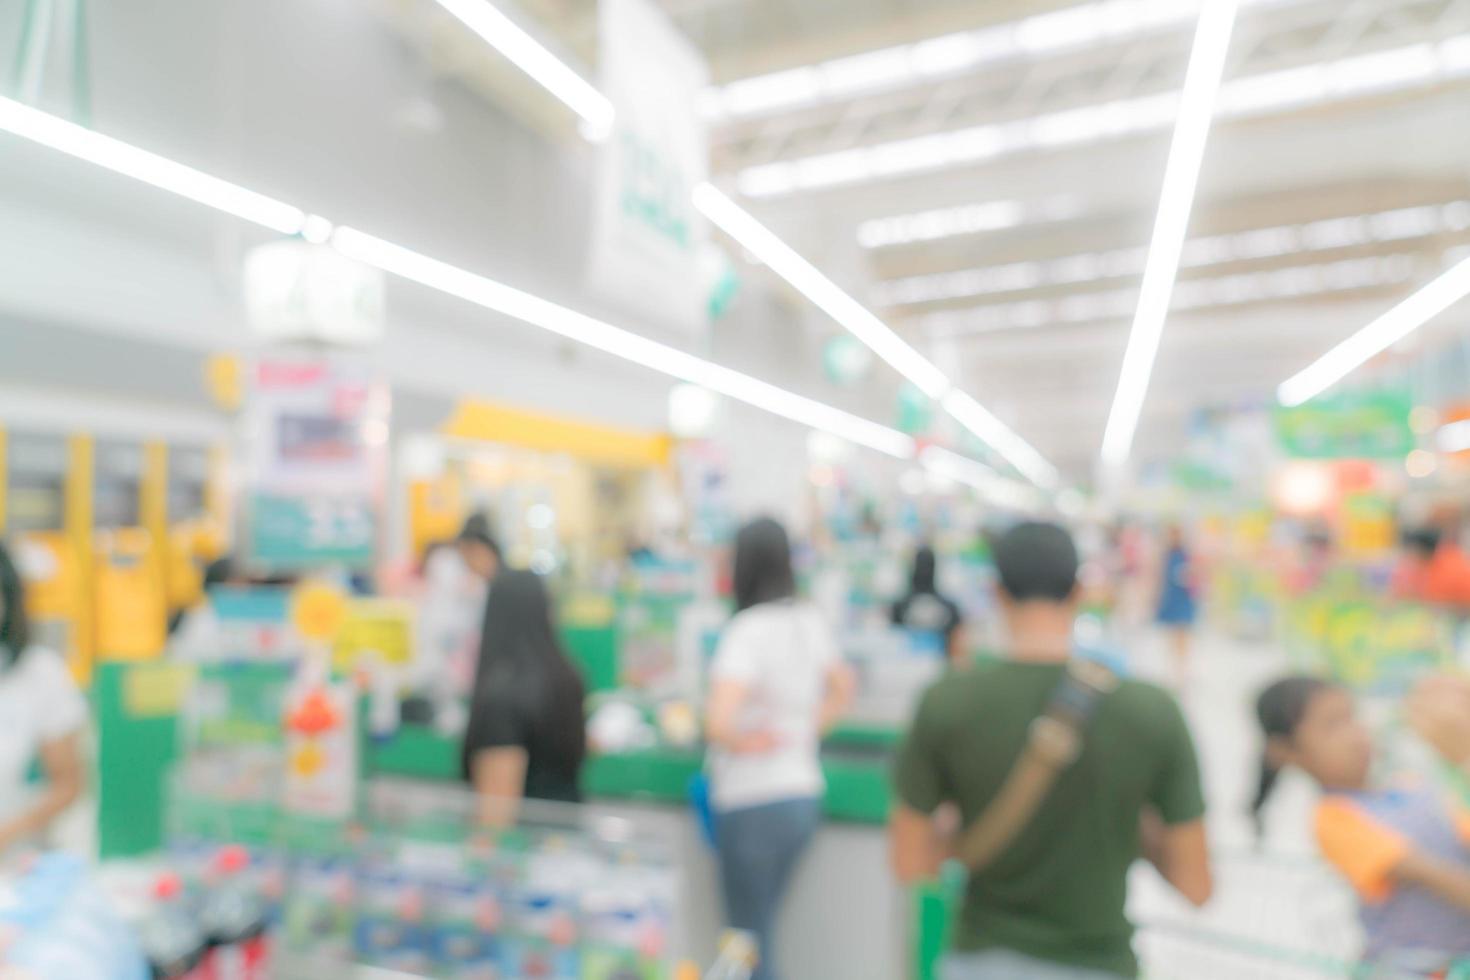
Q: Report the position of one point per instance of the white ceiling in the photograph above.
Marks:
(1371, 152)
(1388, 137)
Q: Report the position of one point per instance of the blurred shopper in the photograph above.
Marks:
(451, 609)
(1438, 710)
(42, 717)
(478, 547)
(195, 633)
(779, 684)
(1063, 777)
(1404, 850)
(526, 736)
(1434, 569)
(1178, 609)
(925, 612)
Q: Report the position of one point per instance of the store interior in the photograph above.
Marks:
(321, 321)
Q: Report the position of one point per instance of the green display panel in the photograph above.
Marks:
(135, 750)
(1355, 425)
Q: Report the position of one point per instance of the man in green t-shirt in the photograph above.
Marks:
(1051, 905)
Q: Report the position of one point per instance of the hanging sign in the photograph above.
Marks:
(296, 291)
(647, 238)
(317, 433)
(1356, 425)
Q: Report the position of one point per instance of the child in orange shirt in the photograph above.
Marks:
(1405, 851)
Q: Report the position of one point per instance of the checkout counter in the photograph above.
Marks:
(845, 916)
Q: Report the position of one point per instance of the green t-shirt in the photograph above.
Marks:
(1058, 892)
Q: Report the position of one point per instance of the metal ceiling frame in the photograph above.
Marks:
(1268, 39)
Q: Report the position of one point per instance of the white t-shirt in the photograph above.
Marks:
(39, 703)
(782, 652)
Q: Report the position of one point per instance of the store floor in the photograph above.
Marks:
(1278, 913)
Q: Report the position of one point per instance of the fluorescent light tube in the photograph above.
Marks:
(1000, 437)
(165, 174)
(130, 161)
(992, 486)
(535, 59)
(755, 237)
(1378, 336)
(621, 343)
(1191, 132)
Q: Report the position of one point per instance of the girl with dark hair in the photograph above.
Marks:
(778, 684)
(42, 716)
(923, 611)
(527, 733)
(1405, 850)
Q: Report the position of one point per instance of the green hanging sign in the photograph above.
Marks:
(915, 410)
(845, 360)
(1359, 425)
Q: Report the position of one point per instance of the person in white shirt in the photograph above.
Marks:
(42, 716)
(778, 685)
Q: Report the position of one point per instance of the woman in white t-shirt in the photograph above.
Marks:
(42, 716)
(778, 684)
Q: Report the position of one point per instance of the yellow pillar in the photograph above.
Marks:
(80, 493)
(217, 502)
(153, 506)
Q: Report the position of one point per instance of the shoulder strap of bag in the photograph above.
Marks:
(1055, 741)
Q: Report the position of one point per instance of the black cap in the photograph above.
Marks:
(1037, 561)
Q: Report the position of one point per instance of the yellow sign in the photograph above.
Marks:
(435, 511)
(223, 378)
(383, 628)
(132, 613)
(318, 611)
(488, 422)
(156, 690)
(50, 571)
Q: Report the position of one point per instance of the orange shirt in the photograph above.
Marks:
(1447, 579)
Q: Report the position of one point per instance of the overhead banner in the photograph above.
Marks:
(647, 237)
(1355, 425)
(315, 463)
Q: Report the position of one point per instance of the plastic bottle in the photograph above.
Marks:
(236, 921)
(172, 938)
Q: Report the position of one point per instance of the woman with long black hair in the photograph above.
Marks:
(778, 684)
(527, 735)
(42, 716)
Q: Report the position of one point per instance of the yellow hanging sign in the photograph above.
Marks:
(380, 628)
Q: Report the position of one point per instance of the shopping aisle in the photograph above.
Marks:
(1278, 913)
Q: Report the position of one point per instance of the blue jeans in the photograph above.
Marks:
(1000, 964)
(759, 849)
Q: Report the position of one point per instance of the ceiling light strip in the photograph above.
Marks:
(825, 294)
(123, 158)
(1176, 203)
(533, 57)
(150, 168)
(1378, 336)
(991, 485)
(996, 434)
(584, 329)
(782, 259)
(857, 319)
